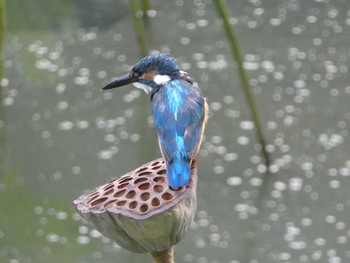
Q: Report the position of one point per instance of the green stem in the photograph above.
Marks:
(2, 114)
(264, 188)
(2, 34)
(236, 54)
(139, 27)
(145, 6)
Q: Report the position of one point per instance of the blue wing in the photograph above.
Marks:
(178, 113)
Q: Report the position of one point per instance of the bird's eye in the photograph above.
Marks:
(134, 74)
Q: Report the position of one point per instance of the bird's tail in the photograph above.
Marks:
(178, 171)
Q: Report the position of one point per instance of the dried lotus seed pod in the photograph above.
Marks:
(139, 211)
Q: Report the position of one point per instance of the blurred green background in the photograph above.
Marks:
(60, 136)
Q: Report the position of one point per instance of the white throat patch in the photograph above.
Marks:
(161, 79)
(144, 87)
(158, 79)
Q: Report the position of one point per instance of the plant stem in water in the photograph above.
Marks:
(2, 113)
(139, 27)
(236, 54)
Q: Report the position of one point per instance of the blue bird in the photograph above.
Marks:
(180, 111)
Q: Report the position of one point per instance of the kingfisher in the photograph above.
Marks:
(179, 110)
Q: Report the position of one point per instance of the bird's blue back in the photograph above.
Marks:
(178, 113)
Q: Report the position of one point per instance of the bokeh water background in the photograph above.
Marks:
(64, 136)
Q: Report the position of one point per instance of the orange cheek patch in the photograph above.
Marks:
(149, 75)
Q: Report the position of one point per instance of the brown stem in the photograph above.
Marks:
(165, 256)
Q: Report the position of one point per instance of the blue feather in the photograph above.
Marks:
(178, 113)
(178, 172)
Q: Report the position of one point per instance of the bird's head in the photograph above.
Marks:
(150, 72)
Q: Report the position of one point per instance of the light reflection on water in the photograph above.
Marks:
(65, 136)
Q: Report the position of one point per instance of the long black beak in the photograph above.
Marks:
(121, 81)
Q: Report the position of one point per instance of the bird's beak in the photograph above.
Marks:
(121, 81)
